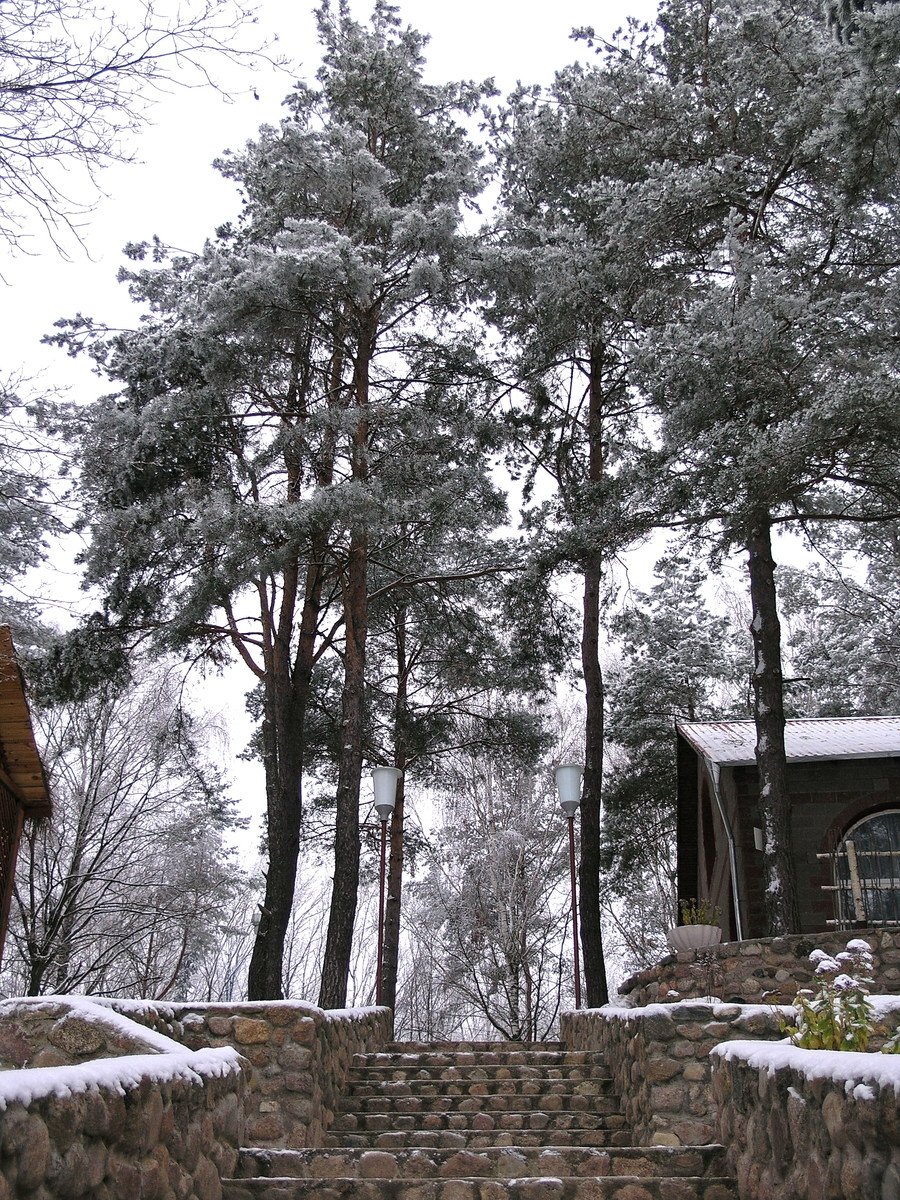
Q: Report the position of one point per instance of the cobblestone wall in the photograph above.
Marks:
(54, 1033)
(299, 1056)
(149, 1139)
(659, 1058)
(792, 1137)
(767, 970)
(94, 1105)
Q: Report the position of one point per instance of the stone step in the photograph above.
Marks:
(457, 1047)
(613, 1132)
(390, 1089)
(452, 1058)
(519, 1118)
(576, 1072)
(447, 1102)
(515, 1162)
(622, 1187)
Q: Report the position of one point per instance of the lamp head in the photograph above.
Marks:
(568, 784)
(384, 780)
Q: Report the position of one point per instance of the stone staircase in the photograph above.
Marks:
(481, 1121)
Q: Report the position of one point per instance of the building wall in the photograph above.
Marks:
(826, 797)
(715, 866)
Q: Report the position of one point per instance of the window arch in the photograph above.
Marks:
(868, 870)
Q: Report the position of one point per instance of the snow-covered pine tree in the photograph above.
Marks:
(772, 379)
(571, 284)
(679, 661)
(231, 487)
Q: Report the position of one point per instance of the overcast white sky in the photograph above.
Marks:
(173, 191)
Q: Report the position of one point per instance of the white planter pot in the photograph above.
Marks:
(693, 937)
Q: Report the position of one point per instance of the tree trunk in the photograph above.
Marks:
(287, 689)
(281, 754)
(391, 957)
(591, 795)
(768, 711)
(345, 888)
(283, 739)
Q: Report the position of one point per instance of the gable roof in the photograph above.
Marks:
(21, 768)
(807, 739)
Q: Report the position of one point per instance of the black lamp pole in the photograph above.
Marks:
(385, 782)
(568, 784)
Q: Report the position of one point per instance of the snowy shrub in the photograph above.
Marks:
(837, 1015)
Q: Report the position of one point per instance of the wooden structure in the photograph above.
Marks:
(24, 793)
(843, 776)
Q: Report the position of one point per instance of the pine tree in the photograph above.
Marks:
(570, 292)
(771, 377)
(236, 475)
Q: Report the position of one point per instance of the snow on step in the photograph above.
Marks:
(573, 1073)
(527, 1086)
(456, 1117)
(463, 1058)
(555, 1102)
(618, 1135)
(419, 1072)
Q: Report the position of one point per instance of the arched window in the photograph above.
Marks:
(868, 870)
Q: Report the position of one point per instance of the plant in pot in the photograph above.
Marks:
(699, 926)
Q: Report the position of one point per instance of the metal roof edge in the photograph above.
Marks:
(683, 729)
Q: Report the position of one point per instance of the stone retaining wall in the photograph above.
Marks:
(109, 1109)
(139, 1137)
(58, 1032)
(299, 1056)
(792, 1137)
(763, 970)
(659, 1058)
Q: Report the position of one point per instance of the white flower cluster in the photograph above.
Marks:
(837, 1015)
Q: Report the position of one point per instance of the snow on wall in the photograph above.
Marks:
(96, 1012)
(298, 1056)
(801, 1124)
(118, 1074)
(137, 1112)
(836, 1066)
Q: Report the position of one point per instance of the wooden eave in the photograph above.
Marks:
(21, 769)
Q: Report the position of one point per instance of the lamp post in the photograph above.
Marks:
(568, 784)
(384, 780)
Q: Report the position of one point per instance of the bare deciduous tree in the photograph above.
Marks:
(75, 81)
(122, 891)
(493, 904)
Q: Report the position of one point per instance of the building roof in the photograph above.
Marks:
(21, 768)
(733, 743)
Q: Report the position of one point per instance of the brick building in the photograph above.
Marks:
(844, 780)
